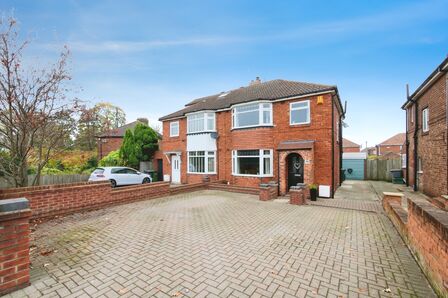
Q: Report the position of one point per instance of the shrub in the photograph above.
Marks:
(112, 159)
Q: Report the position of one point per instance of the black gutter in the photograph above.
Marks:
(428, 79)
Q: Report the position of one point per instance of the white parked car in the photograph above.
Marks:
(119, 176)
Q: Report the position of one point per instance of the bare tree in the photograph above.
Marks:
(36, 117)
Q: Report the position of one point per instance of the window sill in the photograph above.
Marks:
(201, 132)
(300, 124)
(253, 176)
(194, 173)
(419, 172)
(254, 126)
(174, 136)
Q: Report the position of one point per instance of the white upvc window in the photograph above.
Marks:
(425, 119)
(174, 129)
(201, 122)
(299, 112)
(202, 162)
(256, 163)
(252, 114)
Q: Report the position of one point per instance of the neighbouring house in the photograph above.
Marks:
(283, 131)
(111, 140)
(427, 134)
(349, 146)
(392, 145)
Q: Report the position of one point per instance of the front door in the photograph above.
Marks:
(175, 169)
(295, 169)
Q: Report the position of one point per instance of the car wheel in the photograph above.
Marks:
(146, 180)
(113, 183)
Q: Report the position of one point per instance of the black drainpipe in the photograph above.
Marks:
(332, 147)
(278, 174)
(416, 147)
(407, 138)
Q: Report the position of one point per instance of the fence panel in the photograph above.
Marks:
(379, 169)
(51, 179)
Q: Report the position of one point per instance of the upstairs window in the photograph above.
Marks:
(299, 113)
(174, 129)
(254, 114)
(200, 122)
(425, 120)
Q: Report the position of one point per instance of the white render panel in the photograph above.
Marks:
(354, 155)
(201, 142)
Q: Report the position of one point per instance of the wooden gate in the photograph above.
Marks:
(379, 169)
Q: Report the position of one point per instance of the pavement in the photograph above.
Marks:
(219, 244)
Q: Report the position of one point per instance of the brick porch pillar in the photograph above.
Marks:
(14, 245)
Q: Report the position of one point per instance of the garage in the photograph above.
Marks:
(354, 165)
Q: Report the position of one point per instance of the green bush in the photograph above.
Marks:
(111, 160)
(51, 171)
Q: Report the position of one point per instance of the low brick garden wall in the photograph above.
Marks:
(47, 201)
(425, 230)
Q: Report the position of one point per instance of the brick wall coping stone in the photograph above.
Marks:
(9, 205)
(437, 216)
(393, 194)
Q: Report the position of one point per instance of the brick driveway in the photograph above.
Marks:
(219, 244)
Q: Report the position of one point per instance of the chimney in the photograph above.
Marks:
(255, 82)
(143, 120)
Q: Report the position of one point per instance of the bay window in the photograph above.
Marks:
(254, 114)
(299, 112)
(252, 162)
(201, 122)
(201, 162)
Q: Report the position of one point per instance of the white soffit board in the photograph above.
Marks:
(201, 142)
(354, 155)
(324, 191)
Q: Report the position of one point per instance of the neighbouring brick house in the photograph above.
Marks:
(392, 145)
(427, 130)
(349, 146)
(111, 140)
(283, 131)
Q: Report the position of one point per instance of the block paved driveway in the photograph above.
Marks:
(218, 244)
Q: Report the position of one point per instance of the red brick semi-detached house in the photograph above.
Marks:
(279, 130)
(349, 146)
(393, 144)
(426, 134)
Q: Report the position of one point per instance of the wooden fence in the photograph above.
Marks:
(51, 179)
(379, 169)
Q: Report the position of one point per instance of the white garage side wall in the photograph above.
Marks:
(201, 142)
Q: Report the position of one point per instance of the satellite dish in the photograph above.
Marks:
(214, 135)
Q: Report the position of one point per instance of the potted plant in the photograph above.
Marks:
(313, 192)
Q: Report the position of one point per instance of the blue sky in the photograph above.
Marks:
(151, 57)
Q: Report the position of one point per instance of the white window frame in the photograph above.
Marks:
(172, 124)
(261, 157)
(308, 107)
(261, 110)
(206, 155)
(425, 120)
(207, 115)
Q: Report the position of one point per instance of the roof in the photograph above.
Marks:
(299, 144)
(120, 131)
(348, 144)
(397, 139)
(442, 68)
(269, 90)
